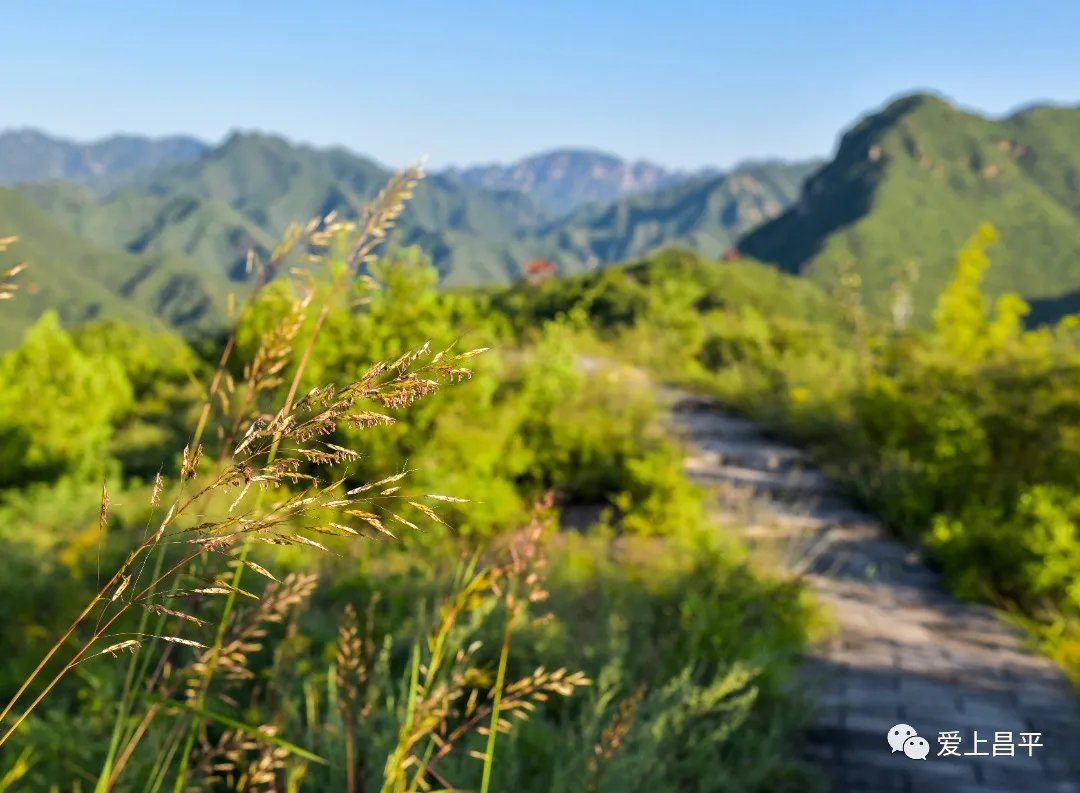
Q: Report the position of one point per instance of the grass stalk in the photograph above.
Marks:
(493, 729)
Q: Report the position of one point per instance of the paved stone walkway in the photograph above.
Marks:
(904, 651)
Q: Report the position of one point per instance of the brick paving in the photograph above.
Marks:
(903, 650)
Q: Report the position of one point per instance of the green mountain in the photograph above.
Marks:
(187, 227)
(245, 192)
(82, 281)
(706, 214)
(274, 182)
(913, 181)
(139, 222)
(27, 155)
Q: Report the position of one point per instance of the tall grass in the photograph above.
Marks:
(8, 284)
(394, 666)
(270, 477)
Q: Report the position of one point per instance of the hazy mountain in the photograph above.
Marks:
(245, 192)
(566, 179)
(27, 155)
(197, 219)
(706, 214)
(914, 180)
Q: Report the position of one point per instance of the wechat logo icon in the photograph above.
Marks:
(904, 738)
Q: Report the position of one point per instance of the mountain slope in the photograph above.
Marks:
(566, 179)
(705, 214)
(83, 282)
(28, 155)
(913, 182)
(274, 182)
(244, 193)
(138, 222)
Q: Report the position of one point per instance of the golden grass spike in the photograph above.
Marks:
(260, 570)
(371, 485)
(120, 589)
(428, 511)
(128, 644)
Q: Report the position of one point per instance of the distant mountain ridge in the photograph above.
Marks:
(170, 240)
(28, 155)
(707, 214)
(563, 180)
(160, 229)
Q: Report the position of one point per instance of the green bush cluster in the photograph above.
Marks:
(962, 434)
(688, 649)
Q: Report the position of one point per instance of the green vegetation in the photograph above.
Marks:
(707, 214)
(82, 282)
(172, 241)
(912, 181)
(380, 535)
(635, 648)
(963, 436)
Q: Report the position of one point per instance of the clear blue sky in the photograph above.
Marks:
(679, 82)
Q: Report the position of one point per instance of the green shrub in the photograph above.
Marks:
(57, 407)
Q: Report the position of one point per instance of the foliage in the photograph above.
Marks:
(913, 180)
(358, 675)
(57, 407)
(963, 437)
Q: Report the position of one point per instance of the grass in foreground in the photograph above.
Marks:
(657, 659)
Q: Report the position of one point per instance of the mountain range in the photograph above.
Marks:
(565, 179)
(28, 155)
(145, 228)
(191, 221)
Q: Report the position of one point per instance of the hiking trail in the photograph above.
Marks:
(904, 651)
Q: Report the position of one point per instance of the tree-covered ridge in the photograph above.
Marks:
(910, 182)
(82, 281)
(186, 229)
(707, 214)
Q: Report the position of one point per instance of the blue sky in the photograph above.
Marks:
(678, 82)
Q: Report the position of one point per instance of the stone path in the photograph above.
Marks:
(904, 651)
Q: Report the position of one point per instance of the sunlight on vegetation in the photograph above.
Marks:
(351, 573)
(963, 435)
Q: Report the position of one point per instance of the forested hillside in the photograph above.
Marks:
(911, 182)
(82, 281)
(191, 225)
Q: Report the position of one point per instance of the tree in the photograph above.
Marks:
(57, 406)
